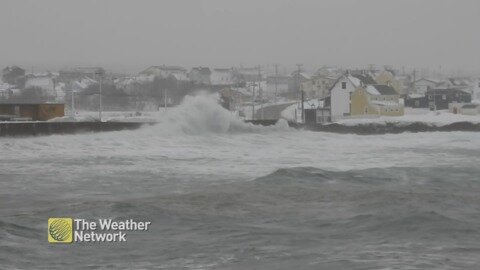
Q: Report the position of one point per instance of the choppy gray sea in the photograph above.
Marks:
(224, 195)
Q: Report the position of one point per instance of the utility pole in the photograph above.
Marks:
(414, 80)
(165, 99)
(260, 91)
(137, 99)
(299, 66)
(73, 104)
(101, 105)
(253, 102)
(100, 74)
(276, 76)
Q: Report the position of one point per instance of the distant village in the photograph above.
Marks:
(329, 94)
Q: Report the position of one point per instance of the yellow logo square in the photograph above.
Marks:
(60, 230)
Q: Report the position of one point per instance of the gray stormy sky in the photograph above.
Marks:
(129, 35)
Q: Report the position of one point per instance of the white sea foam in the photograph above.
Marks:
(201, 138)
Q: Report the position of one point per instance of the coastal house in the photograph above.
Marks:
(321, 82)
(222, 77)
(467, 84)
(416, 101)
(438, 99)
(376, 99)
(318, 86)
(341, 91)
(247, 74)
(464, 108)
(421, 86)
(200, 75)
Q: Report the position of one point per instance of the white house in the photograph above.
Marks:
(341, 92)
(222, 76)
(423, 85)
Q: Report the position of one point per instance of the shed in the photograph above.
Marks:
(33, 111)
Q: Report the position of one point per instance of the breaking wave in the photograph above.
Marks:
(202, 114)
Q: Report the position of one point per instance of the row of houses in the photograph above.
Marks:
(468, 85)
(360, 95)
(206, 76)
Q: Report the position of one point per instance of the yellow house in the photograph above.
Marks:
(376, 100)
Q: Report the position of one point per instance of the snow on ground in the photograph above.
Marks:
(437, 118)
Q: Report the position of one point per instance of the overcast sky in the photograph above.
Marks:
(131, 34)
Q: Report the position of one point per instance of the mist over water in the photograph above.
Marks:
(223, 194)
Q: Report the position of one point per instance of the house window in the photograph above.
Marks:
(350, 96)
(344, 85)
(366, 110)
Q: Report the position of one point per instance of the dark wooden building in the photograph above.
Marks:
(32, 111)
(438, 99)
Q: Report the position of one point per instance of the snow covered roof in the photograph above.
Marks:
(427, 80)
(460, 81)
(372, 90)
(355, 81)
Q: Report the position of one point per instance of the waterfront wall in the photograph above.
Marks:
(47, 128)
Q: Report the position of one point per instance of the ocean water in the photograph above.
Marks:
(222, 194)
